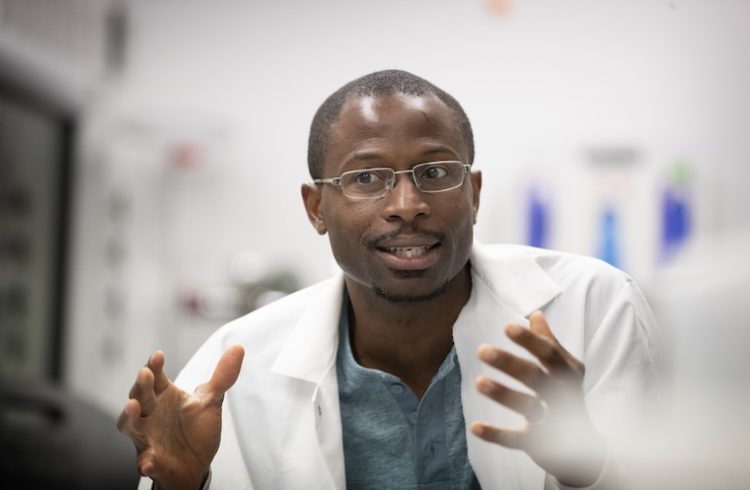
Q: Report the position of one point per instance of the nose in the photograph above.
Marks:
(405, 202)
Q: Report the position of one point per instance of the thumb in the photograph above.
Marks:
(226, 373)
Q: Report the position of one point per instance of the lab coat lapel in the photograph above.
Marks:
(506, 289)
(309, 354)
(514, 278)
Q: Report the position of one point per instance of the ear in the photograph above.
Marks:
(311, 200)
(476, 185)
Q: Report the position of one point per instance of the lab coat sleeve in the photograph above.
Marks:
(612, 477)
(620, 381)
(621, 374)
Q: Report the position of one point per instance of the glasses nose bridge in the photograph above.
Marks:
(392, 182)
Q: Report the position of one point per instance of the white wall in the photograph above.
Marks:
(540, 85)
(241, 81)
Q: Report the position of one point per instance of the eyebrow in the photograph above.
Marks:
(366, 156)
(440, 149)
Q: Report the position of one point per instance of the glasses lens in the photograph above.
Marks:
(439, 176)
(371, 182)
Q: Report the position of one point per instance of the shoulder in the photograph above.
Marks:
(567, 270)
(262, 332)
(606, 301)
(281, 311)
(588, 289)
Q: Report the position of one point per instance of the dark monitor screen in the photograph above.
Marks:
(36, 149)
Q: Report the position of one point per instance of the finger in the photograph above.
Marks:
(131, 410)
(156, 364)
(143, 391)
(514, 439)
(147, 464)
(128, 424)
(525, 371)
(538, 324)
(527, 405)
(226, 373)
(547, 350)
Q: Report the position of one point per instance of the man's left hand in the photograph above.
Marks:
(559, 435)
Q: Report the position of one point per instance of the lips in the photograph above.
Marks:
(409, 253)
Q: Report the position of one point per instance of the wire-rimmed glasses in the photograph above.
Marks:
(372, 183)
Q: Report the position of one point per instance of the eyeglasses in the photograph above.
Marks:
(372, 183)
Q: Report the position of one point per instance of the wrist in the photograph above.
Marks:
(588, 466)
(185, 483)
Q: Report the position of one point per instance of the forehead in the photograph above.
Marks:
(394, 130)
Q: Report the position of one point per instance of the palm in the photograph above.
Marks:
(177, 434)
(564, 442)
(187, 434)
(560, 436)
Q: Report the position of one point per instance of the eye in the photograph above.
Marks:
(366, 177)
(434, 172)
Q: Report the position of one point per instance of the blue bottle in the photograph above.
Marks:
(675, 213)
(609, 250)
(537, 232)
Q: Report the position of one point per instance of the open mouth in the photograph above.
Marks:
(409, 257)
(408, 252)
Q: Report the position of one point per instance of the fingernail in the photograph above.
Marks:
(477, 428)
(483, 383)
(486, 352)
(513, 330)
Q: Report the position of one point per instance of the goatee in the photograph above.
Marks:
(411, 298)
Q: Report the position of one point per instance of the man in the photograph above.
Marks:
(368, 380)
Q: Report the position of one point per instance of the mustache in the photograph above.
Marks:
(404, 230)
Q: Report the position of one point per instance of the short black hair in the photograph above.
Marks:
(384, 82)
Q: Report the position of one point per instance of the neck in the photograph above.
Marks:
(410, 339)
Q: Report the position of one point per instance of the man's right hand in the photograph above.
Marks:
(176, 434)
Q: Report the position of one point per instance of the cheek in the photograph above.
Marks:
(464, 232)
(346, 228)
(461, 225)
(347, 249)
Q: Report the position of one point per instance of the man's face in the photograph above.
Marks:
(407, 245)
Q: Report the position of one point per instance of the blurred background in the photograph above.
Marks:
(151, 154)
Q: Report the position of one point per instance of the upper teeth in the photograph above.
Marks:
(408, 251)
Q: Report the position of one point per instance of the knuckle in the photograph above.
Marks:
(550, 352)
(500, 389)
(501, 357)
(556, 357)
(535, 378)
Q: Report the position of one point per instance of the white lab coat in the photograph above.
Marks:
(281, 421)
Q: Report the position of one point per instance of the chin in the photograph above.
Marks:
(411, 296)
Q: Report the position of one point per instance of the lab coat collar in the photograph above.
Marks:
(513, 276)
(310, 351)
